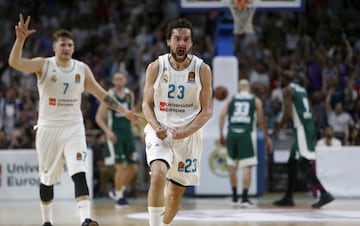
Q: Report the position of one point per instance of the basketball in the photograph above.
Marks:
(220, 93)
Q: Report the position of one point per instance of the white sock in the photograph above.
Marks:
(84, 209)
(46, 212)
(119, 194)
(156, 215)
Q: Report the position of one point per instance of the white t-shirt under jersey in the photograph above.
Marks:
(60, 91)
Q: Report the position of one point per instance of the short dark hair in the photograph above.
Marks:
(179, 23)
(62, 33)
(288, 75)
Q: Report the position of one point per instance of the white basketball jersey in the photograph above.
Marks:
(176, 92)
(60, 93)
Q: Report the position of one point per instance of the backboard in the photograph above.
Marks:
(207, 5)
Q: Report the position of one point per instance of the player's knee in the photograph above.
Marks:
(80, 184)
(46, 192)
(157, 176)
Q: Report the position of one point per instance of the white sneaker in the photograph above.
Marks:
(112, 194)
(233, 203)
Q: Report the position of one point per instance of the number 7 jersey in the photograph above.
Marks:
(60, 91)
(177, 92)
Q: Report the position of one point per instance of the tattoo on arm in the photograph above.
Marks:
(111, 102)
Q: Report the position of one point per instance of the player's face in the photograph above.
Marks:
(64, 48)
(119, 80)
(180, 43)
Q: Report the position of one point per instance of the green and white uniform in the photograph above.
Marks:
(241, 135)
(303, 125)
(124, 148)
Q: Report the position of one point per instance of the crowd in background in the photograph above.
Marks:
(320, 44)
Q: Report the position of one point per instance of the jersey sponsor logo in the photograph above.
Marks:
(181, 166)
(77, 78)
(78, 156)
(173, 107)
(52, 101)
(191, 77)
(162, 106)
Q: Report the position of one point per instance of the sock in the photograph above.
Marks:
(311, 175)
(119, 194)
(163, 224)
(234, 194)
(292, 177)
(84, 209)
(245, 195)
(156, 215)
(47, 213)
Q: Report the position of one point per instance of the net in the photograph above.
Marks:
(242, 12)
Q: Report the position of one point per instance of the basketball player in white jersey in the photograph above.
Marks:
(177, 103)
(60, 136)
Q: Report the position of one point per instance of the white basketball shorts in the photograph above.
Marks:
(58, 145)
(183, 156)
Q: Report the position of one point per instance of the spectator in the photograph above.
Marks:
(19, 139)
(4, 142)
(339, 119)
(10, 109)
(354, 137)
(328, 138)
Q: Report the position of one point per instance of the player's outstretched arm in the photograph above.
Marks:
(16, 60)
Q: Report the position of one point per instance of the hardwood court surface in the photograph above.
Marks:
(194, 211)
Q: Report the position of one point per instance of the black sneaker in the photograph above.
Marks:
(121, 203)
(47, 223)
(246, 203)
(89, 222)
(323, 200)
(285, 201)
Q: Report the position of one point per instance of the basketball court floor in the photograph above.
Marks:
(194, 211)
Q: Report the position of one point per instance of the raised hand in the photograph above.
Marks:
(22, 28)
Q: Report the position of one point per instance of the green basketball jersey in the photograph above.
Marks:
(117, 120)
(302, 115)
(241, 112)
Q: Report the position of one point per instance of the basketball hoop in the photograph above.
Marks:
(242, 12)
(241, 4)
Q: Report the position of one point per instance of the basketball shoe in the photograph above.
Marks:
(285, 201)
(246, 203)
(121, 203)
(323, 200)
(89, 222)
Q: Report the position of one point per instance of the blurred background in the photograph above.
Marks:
(319, 41)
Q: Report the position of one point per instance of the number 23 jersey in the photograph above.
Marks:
(177, 92)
